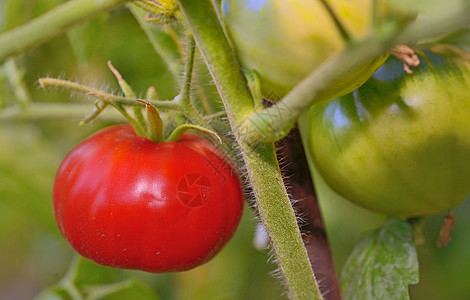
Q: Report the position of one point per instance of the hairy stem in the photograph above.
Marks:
(272, 201)
(48, 111)
(297, 176)
(161, 41)
(274, 123)
(51, 24)
(69, 85)
(184, 99)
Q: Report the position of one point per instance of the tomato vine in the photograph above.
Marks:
(253, 129)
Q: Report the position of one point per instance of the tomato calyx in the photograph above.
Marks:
(155, 123)
(407, 56)
(155, 127)
(446, 230)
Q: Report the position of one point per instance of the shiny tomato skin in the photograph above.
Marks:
(400, 144)
(285, 40)
(124, 201)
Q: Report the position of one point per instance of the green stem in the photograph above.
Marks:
(275, 122)
(68, 282)
(272, 200)
(161, 41)
(16, 78)
(188, 72)
(215, 115)
(53, 82)
(48, 111)
(129, 93)
(184, 99)
(342, 30)
(51, 24)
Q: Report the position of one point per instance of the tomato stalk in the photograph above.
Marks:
(161, 41)
(342, 30)
(128, 92)
(295, 169)
(275, 122)
(57, 111)
(263, 170)
(69, 85)
(51, 24)
(184, 98)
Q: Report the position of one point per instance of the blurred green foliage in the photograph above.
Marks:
(33, 254)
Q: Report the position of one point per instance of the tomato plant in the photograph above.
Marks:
(283, 41)
(400, 144)
(124, 201)
(128, 207)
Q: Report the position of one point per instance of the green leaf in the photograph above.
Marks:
(382, 264)
(129, 289)
(84, 273)
(87, 280)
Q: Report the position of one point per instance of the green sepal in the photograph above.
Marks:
(127, 90)
(382, 264)
(87, 280)
(174, 136)
(151, 93)
(253, 80)
(125, 87)
(155, 123)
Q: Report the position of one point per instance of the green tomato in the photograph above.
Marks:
(284, 40)
(400, 144)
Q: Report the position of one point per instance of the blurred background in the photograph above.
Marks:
(33, 254)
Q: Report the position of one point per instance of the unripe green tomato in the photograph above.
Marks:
(400, 144)
(285, 40)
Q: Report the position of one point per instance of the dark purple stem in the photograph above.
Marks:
(299, 181)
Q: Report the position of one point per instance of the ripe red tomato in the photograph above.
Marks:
(124, 201)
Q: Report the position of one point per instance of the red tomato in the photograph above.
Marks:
(124, 201)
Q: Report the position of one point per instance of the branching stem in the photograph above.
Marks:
(263, 171)
(273, 123)
(51, 24)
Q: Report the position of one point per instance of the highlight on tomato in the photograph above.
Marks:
(400, 144)
(124, 201)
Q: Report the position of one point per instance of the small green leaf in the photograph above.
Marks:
(182, 128)
(129, 289)
(125, 87)
(54, 293)
(84, 273)
(88, 280)
(155, 123)
(382, 264)
(252, 77)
